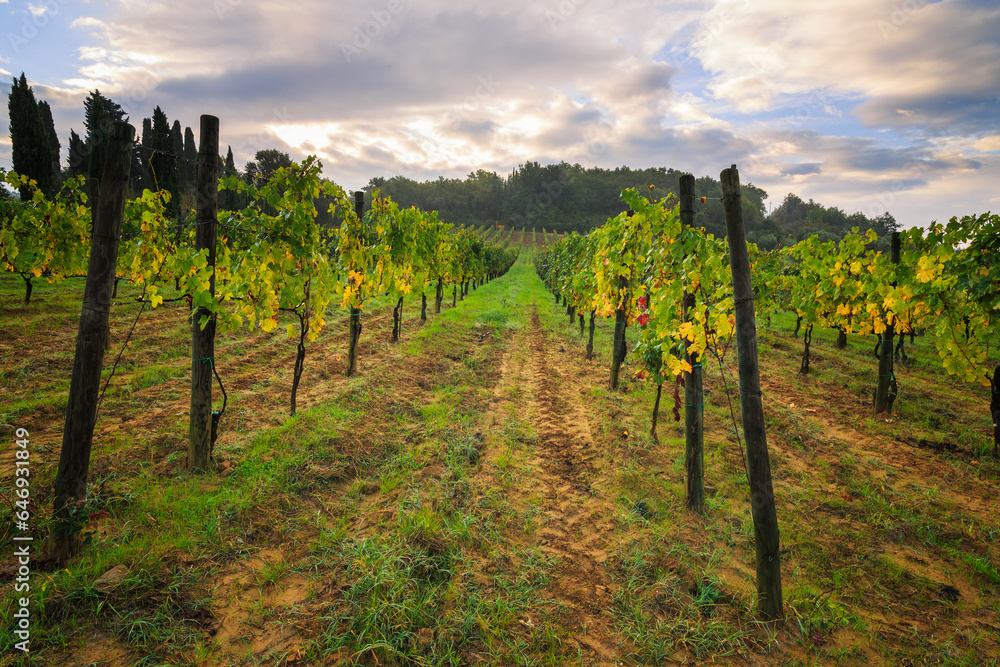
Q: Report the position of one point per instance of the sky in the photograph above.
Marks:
(866, 105)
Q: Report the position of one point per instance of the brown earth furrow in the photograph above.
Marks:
(575, 514)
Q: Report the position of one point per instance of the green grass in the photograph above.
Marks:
(414, 523)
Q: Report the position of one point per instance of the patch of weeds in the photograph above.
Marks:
(816, 615)
(707, 594)
(272, 572)
(394, 605)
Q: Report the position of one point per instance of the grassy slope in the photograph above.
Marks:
(412, 515)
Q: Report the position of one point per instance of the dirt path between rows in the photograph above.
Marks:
(576, 518)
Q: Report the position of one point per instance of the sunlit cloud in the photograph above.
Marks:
(840, 100)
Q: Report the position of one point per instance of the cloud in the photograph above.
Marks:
(988, 144)
(847, 99)
(802, 169)
(911, 65)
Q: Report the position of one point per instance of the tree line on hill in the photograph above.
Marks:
(564, 197)
(557, 197)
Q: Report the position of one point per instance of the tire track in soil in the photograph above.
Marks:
(577, 521)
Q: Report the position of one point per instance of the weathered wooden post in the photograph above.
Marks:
(203, 340)
(694, 429)
(619, 349)
(81, 411)
(765, 518)
(995, 410)
(590, 341)
(884, 391)
(397, 320)
(354, 325)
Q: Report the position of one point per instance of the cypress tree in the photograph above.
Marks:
(190, 161)
(31, 154)
(177, 148)
(98, 114)
(143, 147)
(228, 198)
(54, 146)
(78, 155)
(137, 179)
(163, 162)
(177, 141)
(147, 134)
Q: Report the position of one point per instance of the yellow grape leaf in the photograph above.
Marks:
(843, 310)
(686, 330)
(678, 366)
(155, 300)
(269, 324)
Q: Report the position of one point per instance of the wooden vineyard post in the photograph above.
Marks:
(354, 324)
(694, 428)
(81, 411)
(885, 391)
(765, 518)
(203, 340)
(397, 319)
(995, 410)
(619, 348)
(590, 341)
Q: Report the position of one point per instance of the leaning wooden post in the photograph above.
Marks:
(765, 518)
(81, 411)
(203, 340)
(354, 325)
(883, 396)
(694, 430)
